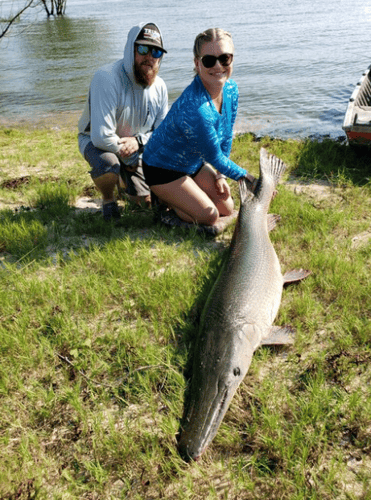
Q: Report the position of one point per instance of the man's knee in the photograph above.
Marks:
(101, 162)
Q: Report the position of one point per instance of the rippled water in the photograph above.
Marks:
(296, 63)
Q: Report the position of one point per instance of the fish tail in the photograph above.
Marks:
(270, 167)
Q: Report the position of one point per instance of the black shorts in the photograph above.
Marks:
(157, 175)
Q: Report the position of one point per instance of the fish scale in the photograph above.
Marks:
(238, 314)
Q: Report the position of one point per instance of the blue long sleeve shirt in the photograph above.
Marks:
(194, 132)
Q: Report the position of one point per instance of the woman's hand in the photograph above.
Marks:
(253, 182)
(222, 188)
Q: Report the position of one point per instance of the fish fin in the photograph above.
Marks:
(245, 192)
(279, 335)
(295, 275)
(270, 165)
(225, 221)
(272, 220)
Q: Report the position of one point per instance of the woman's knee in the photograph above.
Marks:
(188, 200)
(226, 207)
(207, 216)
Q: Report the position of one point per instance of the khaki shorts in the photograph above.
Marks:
(103, 162)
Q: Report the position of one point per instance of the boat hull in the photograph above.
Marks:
(357, 120)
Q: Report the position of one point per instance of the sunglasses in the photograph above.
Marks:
(210, 61)
(143, 50)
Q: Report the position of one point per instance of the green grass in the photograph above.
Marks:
(97, 325)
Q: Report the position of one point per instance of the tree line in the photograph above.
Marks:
(51, 7)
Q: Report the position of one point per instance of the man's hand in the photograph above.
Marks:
(129, 145)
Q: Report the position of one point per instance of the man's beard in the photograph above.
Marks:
(145, 75)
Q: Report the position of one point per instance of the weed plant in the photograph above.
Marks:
(98, 322)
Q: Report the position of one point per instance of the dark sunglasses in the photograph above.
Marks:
(210, 61)
(143, 50)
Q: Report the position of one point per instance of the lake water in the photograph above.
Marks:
(296, 63)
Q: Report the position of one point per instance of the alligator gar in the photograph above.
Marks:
(238, 314)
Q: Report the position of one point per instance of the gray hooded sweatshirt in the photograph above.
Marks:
(117, 106)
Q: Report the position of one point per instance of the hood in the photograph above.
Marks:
(129, 48)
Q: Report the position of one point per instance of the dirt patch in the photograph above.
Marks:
(16, 183)
(318, 190)
(361, 239)
(88, 204)
(90, 192)
(323, 190)
(25, 179)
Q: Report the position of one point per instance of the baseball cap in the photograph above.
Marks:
(150, 35)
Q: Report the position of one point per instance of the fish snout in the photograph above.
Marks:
(205, 416)
(186, 452)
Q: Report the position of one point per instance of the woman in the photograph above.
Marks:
(197, 132)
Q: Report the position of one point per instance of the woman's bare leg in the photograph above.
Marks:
(188, 200)
(205, 179)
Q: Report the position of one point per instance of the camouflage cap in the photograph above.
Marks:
(150, 35)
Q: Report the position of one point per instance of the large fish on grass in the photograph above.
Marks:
(238, 315)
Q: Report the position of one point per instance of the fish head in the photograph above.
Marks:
(215, 379)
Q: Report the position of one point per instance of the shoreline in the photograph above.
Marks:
(61, 119)
(68, 120)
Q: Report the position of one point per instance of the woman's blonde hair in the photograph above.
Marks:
(210, 35)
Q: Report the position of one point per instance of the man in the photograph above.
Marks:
(126, 102)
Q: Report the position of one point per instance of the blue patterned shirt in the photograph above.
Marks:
(194, 132)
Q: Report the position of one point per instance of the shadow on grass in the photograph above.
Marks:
(334, 161)
(27, 232)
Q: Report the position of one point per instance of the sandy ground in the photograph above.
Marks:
(323, 190)
(91, 205)
(317, 191)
